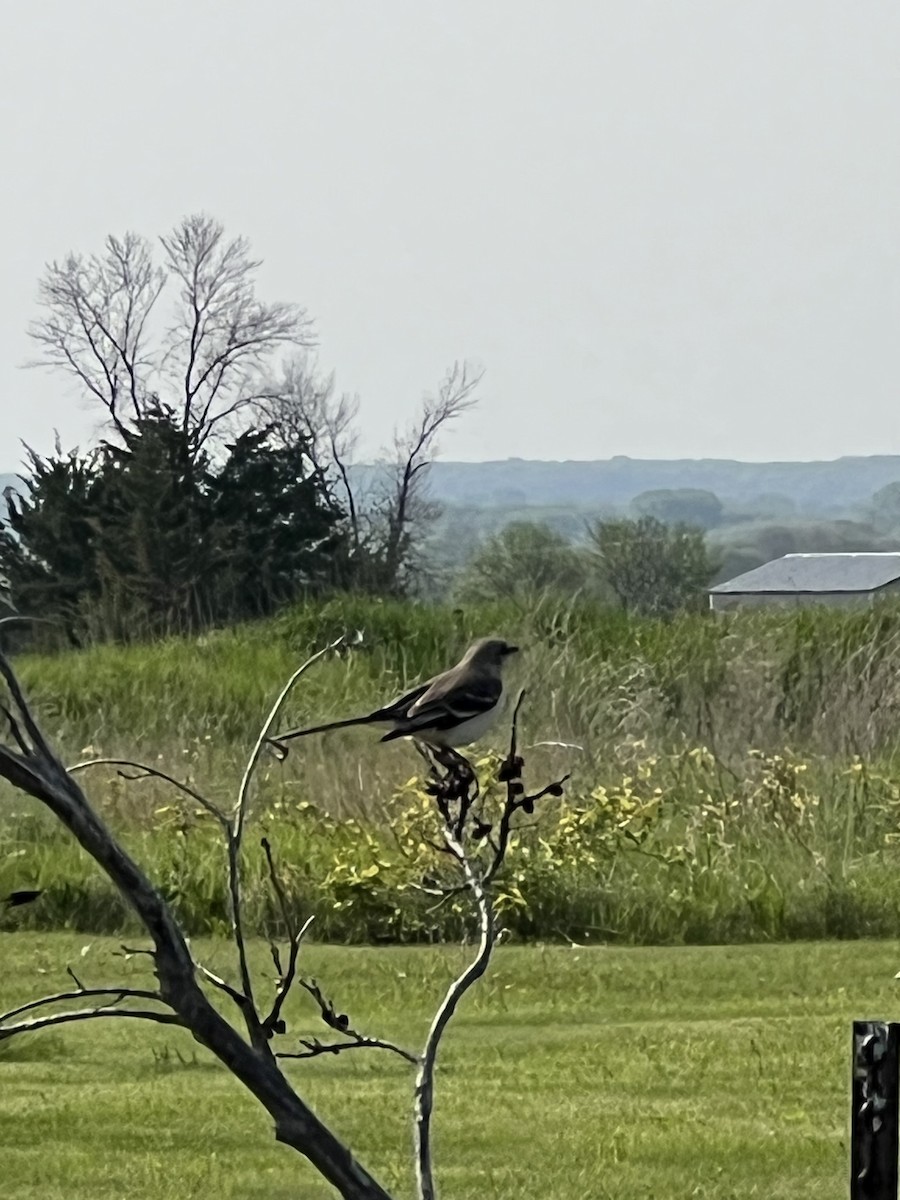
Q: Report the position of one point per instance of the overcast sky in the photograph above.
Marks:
(665, 227)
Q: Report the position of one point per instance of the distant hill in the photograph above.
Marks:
(815, 488)
(825, 488)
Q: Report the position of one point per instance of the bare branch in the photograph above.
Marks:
(145, 772)
(302, 408)
(88, 1014)
(71, 974)
(235, 842)
(404, 507)
(131, 951)
(222, 335)
(424, 1093)
(340, 1022)
(81, 993)
(95, 312)
(94, 321)
(231, 992)
(273, 1022)
(315, 1049)
(37, 771)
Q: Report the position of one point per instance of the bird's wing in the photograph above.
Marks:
(449, 701)
(398, 709)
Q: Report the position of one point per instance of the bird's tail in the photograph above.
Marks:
(281, 750)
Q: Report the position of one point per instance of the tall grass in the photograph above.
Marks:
(734, 778)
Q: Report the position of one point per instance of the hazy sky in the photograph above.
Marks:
(665, 227)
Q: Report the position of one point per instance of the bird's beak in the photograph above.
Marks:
(511, 650)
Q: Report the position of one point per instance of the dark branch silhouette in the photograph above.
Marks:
(468, 848)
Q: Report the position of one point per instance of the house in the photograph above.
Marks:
(840, 580)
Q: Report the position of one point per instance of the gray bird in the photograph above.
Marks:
(452, 709)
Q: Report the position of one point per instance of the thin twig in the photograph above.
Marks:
(315, 1048)
(340, 1023)
(71, 974)
(241, 805)
(38, 744)
(88, 1014)
(278, 889)
(121, 993)
(236, 831)
(154, 772)
(217, 981)
(272, 1022)
(130, 951)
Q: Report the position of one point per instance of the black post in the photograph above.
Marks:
(873, 1121)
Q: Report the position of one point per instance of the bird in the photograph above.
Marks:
(449, 710)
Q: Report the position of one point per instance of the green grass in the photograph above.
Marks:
(755, 758)
(569, 1073)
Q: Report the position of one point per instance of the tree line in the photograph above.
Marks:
(221, 485)
(642, 564)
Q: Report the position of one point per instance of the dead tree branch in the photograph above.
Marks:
(388, 509)
(357, 1041)
(403, 508)
(235, 836)
(223, 334)
(32, 767)
(340, 1023)
(93, 324)
(146, 772)
(81, 993)
(88, 1014)
(302, 408)
(469, 847)
(273, 1022)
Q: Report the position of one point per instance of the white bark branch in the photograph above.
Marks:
(424, 1093)
(88, 1014)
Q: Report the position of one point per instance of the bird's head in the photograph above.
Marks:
(490, 652)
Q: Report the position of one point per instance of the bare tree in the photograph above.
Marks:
(205, 364)
(94, 322)
(302, 407)
(473, 840)
(403, 504)
(388, 506)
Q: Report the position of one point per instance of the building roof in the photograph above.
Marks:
(810, 573)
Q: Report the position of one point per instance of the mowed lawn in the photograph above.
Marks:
(570, 1073)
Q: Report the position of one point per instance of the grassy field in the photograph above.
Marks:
(735, 780)
(570, 1073)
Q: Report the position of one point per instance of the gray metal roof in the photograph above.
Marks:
(818, 573)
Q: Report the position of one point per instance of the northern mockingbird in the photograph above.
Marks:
(449, 710)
